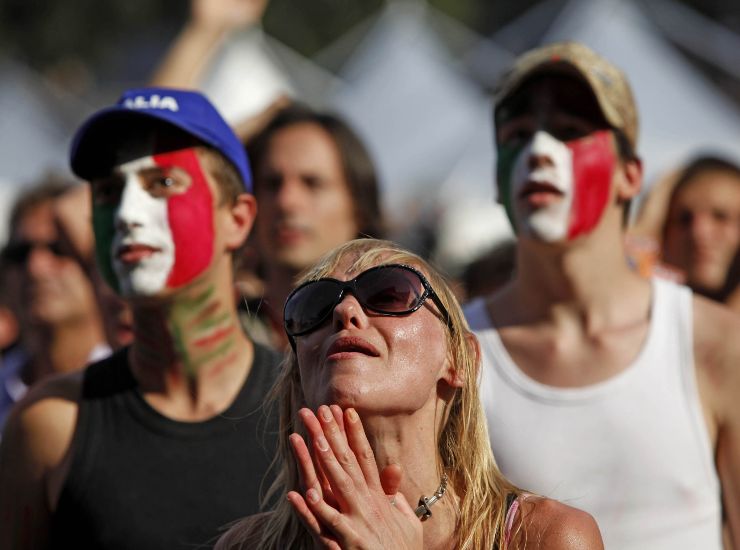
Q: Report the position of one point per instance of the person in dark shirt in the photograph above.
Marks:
(164, 443)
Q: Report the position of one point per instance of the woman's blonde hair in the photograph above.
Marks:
(464, 449)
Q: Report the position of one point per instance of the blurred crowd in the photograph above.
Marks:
(314, 182)
(315, 188)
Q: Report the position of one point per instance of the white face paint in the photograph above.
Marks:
(143, 250)
(547, 161)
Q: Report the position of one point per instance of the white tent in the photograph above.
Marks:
(253, 69)
(33, 138)
(244, 78)
(416, 109)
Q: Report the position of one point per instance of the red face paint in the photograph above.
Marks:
(190, 216)
(593, 166)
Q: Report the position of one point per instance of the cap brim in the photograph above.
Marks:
(554, 67)
(94, 146)
(559, 67)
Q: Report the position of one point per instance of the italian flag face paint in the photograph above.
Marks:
(577, 173)
(593, 167)
(104, 230)
(172, 223)
(191, 219)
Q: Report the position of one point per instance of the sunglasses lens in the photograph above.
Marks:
(59, 249)
(390, 290)
(17, 252)
(309, 306)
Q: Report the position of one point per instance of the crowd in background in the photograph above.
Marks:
(312, 174)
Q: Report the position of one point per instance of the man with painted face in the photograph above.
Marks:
(164, 443)
(608, 391)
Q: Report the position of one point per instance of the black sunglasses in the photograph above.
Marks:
(17, 252)
(392, 289)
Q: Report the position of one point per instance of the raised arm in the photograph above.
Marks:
(35, 441)
(210, 23)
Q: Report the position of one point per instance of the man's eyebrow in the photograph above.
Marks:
(151, 171)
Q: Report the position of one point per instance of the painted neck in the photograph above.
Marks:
(192, 337)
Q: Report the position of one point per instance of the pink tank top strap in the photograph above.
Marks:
(511, 516)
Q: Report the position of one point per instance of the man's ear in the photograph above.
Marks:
(240, 220)
(631, 182)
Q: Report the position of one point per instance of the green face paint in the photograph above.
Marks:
(202, 331)
(505, 159)
(103, 227)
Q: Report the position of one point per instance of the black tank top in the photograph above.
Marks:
(139, 480)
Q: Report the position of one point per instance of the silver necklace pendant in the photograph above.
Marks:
(423, 510)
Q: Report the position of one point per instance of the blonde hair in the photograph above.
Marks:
(464, 449)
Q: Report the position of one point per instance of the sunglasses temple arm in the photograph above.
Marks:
(442, 309)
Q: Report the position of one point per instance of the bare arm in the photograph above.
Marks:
(210, 23)
(548, 524)
(717, 356)
(35, 441)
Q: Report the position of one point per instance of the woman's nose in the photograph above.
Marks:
(349, 313)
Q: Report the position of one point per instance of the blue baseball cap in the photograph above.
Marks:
(93, 146)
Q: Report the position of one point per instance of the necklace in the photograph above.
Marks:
(423, 511)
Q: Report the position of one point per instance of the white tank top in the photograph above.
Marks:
(633, 450)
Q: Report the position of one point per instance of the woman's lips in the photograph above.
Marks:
(134, 253)
(348, 345)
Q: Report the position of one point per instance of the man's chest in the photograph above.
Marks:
(573, 358)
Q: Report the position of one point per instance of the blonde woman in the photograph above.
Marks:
(383, 440)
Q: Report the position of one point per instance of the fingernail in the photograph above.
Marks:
(312, 495)
(325, 413)
(322, 444)
(352, 415)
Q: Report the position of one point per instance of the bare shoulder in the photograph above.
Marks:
(36, 440)
(243, 534)
(41, 425)
(715, 325)
(547, 523)
(717, 353)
